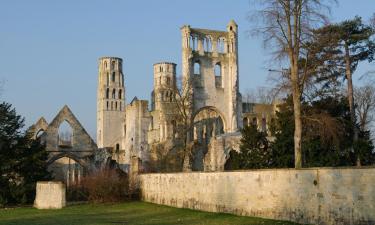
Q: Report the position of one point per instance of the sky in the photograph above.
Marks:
(49, 49)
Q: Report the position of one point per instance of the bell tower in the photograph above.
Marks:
(110, 103)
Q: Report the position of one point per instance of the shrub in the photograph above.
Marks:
(107, 185)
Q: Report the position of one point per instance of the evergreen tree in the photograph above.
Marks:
(22, 159)
(254, 151)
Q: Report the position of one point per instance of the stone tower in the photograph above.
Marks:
(210, 66)
(110, 103)
(163, 98)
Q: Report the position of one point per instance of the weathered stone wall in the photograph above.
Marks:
(50, 195)
(314, 196)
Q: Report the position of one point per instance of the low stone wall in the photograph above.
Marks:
(314, 196)
(50, 195)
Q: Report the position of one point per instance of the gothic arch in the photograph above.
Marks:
(212, 108)
(70, 155)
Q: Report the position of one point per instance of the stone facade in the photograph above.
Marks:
(209, 69)
(69, 156)
(110, 103)
(339, 196)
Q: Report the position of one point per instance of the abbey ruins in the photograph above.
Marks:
(203, 113)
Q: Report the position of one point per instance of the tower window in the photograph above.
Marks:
(117, 147)
(120, 106)
(114, 93)
(107, 78)
(107, 105)
(113, 65)
(113, 76)
(107, 93)
(120, 94)
(218, 70)
(105, 64)
(197, 68)
(168, 81)
(116, 105)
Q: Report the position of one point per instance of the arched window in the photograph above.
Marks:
(168, 81)
(120, 106)
(105, 64)
(217, 70)
(107, 93)
(197, 68)
(65, 135)
(116, 105)
(120, 94)
(117, 147)
(220, 45)
(113, 65)
(113, 76)
(107, 105)
(39, 133)
(207, 44)
(107, 78)
(114, 93)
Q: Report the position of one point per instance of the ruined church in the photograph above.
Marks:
(204, 111)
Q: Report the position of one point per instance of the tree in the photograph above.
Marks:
(365, 105)
(22, 159)
(327, 135)
(287, 27)
(183, 103)
(254, 151)
(351, 41)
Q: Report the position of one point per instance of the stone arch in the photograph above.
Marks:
(208, 122)
(65, 134)
(212, 108)
(60, 155)
(67, 167)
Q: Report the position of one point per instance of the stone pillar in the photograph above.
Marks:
(50, 195)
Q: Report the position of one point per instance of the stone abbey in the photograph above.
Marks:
(202, 112)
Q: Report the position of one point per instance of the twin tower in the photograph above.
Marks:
(209, 65)
(111, 101)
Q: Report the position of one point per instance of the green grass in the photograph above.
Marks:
(122, 213)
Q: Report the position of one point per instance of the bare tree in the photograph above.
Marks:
(286, 26)
(262, 95)
(365, 105)
(183, 111)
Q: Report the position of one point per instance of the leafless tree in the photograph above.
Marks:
(262, 95)
(286, 26)
(183, 111)
(365, 105)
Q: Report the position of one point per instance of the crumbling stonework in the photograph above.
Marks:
(209, 70)
(68, 160)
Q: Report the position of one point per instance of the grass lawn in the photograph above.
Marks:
(122, 213)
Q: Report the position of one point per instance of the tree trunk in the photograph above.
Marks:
(297, 115)
(348, 74)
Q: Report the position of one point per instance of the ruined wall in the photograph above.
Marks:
(210, 66)
(137, 125)
(313, 196)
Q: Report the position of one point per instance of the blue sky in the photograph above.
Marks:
(49, 49)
